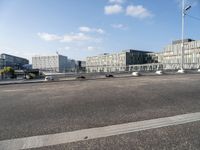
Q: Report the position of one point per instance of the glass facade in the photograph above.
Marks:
(2, 64)
(16, 63)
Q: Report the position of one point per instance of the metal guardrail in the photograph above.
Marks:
(163, 66)
(129, 68)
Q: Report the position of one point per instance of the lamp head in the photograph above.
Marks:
(188, 7)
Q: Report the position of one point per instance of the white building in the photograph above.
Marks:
(171, 55)
(117, 61)
(57, 63)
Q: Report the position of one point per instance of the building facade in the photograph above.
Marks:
(15, 62)
(117, 61)
(80, 66)
(57, 63)
(2, 64)
(171, 57)
(171, 54)
(71, 65)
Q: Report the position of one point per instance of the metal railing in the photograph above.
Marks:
(163, 66)
(128, 68)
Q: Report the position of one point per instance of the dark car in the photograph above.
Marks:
(81, 77)
(109, 76)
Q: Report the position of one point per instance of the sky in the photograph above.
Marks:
(81, 28)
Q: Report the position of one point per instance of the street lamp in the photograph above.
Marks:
(184, 11)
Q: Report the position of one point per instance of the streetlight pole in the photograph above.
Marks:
(184, 10)
(182, 43)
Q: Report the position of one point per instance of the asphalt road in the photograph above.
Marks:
(47, 108)
(181, 137)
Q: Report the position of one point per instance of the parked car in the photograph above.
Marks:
(81, 77)
(109, 76)
(51, 78)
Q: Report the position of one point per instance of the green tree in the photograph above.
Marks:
(7, 71)
(1, 73)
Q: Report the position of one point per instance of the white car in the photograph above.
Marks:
(51, 78)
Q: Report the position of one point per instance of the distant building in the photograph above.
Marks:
(71, 65)
(172, 53)
(57, 63)
(15, 62)
(27, 66)
(118, 61)
(83, 64)
(171, 57)
(80, 66)
(180, 41)
(2, 63)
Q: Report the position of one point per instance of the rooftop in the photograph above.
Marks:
(180, 41)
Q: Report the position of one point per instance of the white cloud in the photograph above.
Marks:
(73, 37)
(92, 48)
(49, 37)
(84, 29)
(138, 11)
(101, 31)
(117, 1)
(87, 29)
(119, 26)
(113, 9)
(79, 48)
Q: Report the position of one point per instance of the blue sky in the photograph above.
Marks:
(80, 28)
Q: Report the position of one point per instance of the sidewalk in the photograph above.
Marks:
(4, 82)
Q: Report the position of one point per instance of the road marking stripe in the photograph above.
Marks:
(15, 90)
(93, 133)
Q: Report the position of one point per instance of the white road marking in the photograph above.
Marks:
(37, 89)
(93, 133)
(15, 90)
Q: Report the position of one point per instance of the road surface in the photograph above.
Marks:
(43, 109)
